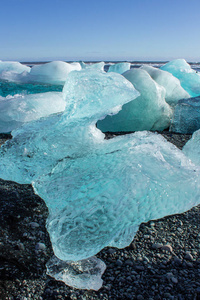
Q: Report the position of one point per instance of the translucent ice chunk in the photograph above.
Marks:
(19, 109)
(189, 79)
(89, 96)
(148, 112)
(174, 90)
(13, 66)
(97, 191)
(96, 66)
(55, 72)
(84, 274)
(192, 148)
(120, 67)
(186, 117)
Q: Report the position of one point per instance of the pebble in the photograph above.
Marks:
(174, 279)
(40, 246)
(119, 263)
(157, 246)
(188, 255)
(34, 225)
(167, 247)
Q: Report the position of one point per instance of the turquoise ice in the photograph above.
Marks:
(173, 88)
(192, 148)
(97, 191)
(120, 67)
(19, 109)
(189, 78)
(186, 117)
(148, 112)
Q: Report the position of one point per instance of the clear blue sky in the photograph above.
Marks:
(35, 30)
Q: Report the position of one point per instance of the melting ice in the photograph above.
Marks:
(99, 191)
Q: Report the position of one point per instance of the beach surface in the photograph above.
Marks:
(162, 262)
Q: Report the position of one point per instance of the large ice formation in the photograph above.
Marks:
(120, 67)
(174, 90)
(192, 148)
(186, 117)
(148, 112)
(19, 109)
(189, 78)
(97, 191)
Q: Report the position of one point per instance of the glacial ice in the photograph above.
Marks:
(186, 117)
(95, 66)
(54, 72)
(189, 78)
(12, 88)
(13, 66)
(84, 274)
(19, 109)
(192, 148)
(148, 112)
(120, 67)
(97, 191)
(173, 88)
(89, 96)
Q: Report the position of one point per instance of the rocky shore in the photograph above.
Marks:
(162, 262)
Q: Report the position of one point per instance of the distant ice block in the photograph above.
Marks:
(186, 117)
(13, 66)
(95, 66)
(148, 112)
(55, 72)
(19, 109)
(97, 191)
(174, 90)
(189, 79)
(120, 67)
(192, 148)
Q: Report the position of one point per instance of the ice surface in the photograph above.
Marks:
(13, 88)
(189, 79)
(97, 191)
(84, 274)
(89, 96)
(19, 109)
(192, 148)
(120, 67)
(96, 66)
(174, 90)
(148, 112)
(8, 66)
(55, 72)
(186, 117)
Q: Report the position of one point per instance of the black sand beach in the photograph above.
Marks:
(162, 262)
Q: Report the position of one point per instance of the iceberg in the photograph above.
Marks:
(120, 67)
(192, 148)
(148, 112)
(186, 117)
(173, 88)
(189, 78)
(19, 109)
(97, 191)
